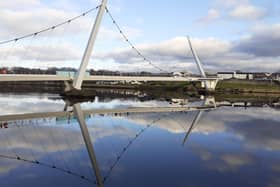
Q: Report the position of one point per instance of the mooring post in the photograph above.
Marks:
(77, 84)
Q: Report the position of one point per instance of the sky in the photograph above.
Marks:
(228, 35)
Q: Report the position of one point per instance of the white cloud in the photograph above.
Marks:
(252, 53)
(39, 56)
(237, 160)
(60, 46)
(263, 42)
(212, 15)
(248, 12)
(19, 3)
(19, 22)
(240, 10)
(247, 127)
(171, 52)
(257, 51)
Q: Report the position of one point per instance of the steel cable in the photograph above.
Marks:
(49, 28)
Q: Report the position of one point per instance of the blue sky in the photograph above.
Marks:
(227, 34)
(162, 20)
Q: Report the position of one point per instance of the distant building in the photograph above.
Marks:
(181, 74)
(249, 75)
(236, 75)
(262, 76)
(226, 75)
(3, 71)
(275, 76)
(177, 74)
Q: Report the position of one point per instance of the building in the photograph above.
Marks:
(177, 74)
(181, 74)
(249, 75)
(236, 75)
(3, 71)
(225, 75)
(262, 76)
(275, 76)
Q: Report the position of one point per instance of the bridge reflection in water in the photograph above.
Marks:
(47, 151)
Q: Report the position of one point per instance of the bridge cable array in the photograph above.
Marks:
(49, 28)
(49, 166)
(34, 34)
(131, 44)
(34, 160)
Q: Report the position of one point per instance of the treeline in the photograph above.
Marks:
(54, 70)
(21, 70)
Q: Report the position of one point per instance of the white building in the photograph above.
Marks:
(181, 74)
(236, 75)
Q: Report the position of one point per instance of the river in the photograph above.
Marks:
(224, 144)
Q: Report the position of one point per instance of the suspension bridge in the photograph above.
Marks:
(75, 83)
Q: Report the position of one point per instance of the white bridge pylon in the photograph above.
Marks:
(208, 84)
(87, 54)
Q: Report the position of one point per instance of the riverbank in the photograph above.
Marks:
(232, 86)
(156, 88)
(248, 86)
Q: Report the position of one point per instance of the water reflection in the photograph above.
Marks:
(227, 146)
(88, 143)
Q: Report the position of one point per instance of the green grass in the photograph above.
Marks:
(248, 86)
(169, 86)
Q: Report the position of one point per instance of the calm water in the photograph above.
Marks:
(225, 146)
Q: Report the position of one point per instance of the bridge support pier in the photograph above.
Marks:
(67, 86)
(70, 91)
(210, 101)
(209, 85)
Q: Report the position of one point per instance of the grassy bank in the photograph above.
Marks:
(173, 89)
(248, 86)
(225, 86)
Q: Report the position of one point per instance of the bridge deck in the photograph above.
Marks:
(17, 77)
